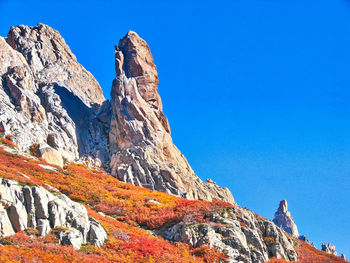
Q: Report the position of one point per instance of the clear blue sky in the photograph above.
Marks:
(257, 92)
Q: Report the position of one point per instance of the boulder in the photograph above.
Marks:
(70, 237)
(51, 156)
(97, 235)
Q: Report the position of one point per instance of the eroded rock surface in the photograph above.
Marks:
(48, 98)
(284, 219)
(329, 248)
(238, 232)
(142, 151)
(23, 207)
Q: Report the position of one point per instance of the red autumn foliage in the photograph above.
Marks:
(7, 141)
(309, 254)
(269, 240)
(128, 207)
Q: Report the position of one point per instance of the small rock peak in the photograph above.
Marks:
(138, 58)
(284, 219)
(131, 34)
(343, 257)
(283, 206)
(329, 248)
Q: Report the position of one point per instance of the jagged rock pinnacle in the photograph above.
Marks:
(142, 151)
(284, 219)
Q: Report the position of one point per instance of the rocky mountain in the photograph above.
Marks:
(84, 179)
(55, 108)
(31, 199)
(283, 219)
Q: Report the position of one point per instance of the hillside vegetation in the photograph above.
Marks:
(127, 213)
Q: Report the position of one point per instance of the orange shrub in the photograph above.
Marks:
(269, 240)
(127, 207)
(7, 142)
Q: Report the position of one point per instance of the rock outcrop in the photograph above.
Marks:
(51, 61)
(330, 249)
(142, 151)
(238, 232)
(284, 219)
(49, 100)
(23, 207)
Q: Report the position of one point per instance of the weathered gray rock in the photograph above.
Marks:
(238, 232)
(6, 228)
(43, 226)
(47, 97)
(22, 207)
(284, 219)
(97, 235)
(52, 61)
(70, 237)
(41, 201)
(330, 249)
(30, 206)
(142, 151)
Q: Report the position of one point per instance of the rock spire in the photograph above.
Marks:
(142, 151)
(284, 219)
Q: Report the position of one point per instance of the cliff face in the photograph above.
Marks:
(283, 219)
(51, 61)
(49, 99)
(142, 151)
(25, 207)
(55, 108)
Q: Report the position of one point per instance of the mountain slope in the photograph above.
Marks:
(138, 222)
(61, 142)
